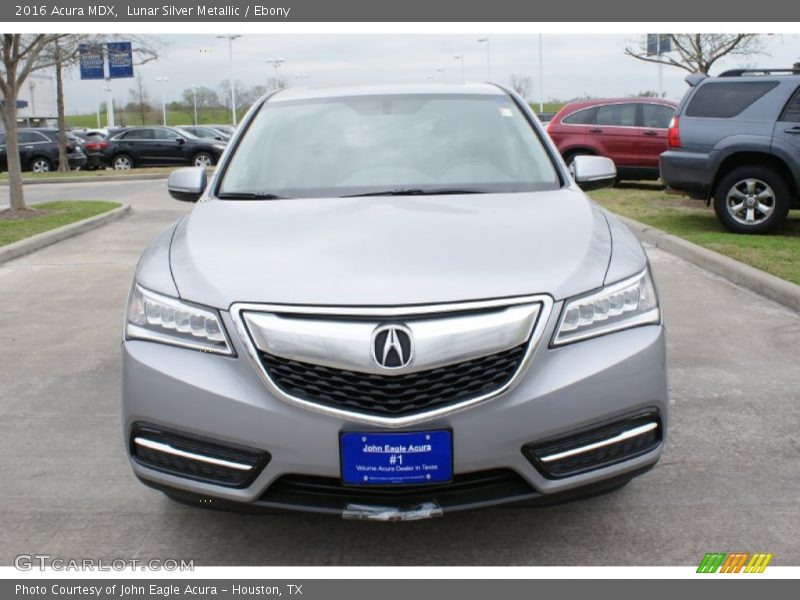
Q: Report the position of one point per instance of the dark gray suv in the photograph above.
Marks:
(736, 139)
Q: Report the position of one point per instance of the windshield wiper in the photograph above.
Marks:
(421, 192)
(250, 196)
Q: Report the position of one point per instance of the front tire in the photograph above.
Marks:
(203, 159)
(752, 200)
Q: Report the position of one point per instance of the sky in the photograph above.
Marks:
(573, 64)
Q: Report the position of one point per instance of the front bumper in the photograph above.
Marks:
(563, 390)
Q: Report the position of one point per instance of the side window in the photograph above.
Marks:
(791, 114)
(30, 137)
(164, 134)
(723, 100)
(139, 134)
(656, 116)
(616, 115)
(581, 117)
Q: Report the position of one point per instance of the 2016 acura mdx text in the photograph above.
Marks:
(389, 303)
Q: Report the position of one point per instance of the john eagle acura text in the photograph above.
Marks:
(391, 302)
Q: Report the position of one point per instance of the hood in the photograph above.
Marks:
(398, 250)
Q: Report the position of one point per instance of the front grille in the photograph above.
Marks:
(394, 394)
(597, 447)
(327, 493)
(193, 458)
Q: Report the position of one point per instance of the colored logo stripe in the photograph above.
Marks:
(735, 562)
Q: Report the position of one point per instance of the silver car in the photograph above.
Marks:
(389, 303)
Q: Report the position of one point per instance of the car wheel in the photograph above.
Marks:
(203, 159)
(41, 165)
(752, 199)
(122, 162)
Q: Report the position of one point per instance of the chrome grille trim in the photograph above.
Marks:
(347, 344)
(238, 309)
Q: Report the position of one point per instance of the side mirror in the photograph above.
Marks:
(593, 172)
(219, 138)
(187, 185)
(180, 140)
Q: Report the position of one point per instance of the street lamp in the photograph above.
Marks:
(161, 81)
(276, 64)
(485, 40)
(194, 101)
(230, 37)
(109, 107)
(461, 58)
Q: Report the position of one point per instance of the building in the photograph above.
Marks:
(36, 104)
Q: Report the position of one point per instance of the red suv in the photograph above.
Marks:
(630, 131)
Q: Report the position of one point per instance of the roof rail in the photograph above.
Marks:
(740, 72)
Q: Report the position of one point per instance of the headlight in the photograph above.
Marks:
(158, 318)
(621, 305)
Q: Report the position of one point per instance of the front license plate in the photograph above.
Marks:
(396, 458)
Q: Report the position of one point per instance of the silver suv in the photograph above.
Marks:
(391, 302)
(735, 139)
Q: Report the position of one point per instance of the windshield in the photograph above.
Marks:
(388, 144)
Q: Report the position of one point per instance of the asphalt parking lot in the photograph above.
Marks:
(729, 479)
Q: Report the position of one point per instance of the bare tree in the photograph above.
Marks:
(22, 54)
(139, 99)
(697, 52)
(521, 84)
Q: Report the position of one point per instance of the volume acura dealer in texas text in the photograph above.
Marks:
(201, 10)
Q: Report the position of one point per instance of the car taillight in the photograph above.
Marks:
(96, 145)
(673, 138)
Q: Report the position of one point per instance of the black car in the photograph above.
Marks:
(206, 133)
(38, 150)
(160, 146)
(735, 140)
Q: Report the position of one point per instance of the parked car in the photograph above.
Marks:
(392, 302)
(545, 117)
(38, 150)
(630, 131)
(160, 146)
(223, 129)
(94, 146)
(205, 133)
(735, 139)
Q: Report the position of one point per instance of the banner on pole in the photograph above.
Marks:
(91, 61)
(120, 60)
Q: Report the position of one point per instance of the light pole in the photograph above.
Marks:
(161, 81)
(541, 79)
(276, 64)
(109, 107)
(461, 58)
(485, 40)
(230, 37)
(194, 102)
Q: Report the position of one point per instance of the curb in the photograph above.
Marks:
(91, 179)
(47, 238)
(772, 287)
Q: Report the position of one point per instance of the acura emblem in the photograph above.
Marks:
(392, 346)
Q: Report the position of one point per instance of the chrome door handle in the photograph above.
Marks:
(596, 130)
(793, 130)
(650, 133)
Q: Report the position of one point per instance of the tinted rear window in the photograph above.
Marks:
(726, 100)
(581, 117)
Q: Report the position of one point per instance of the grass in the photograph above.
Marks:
(174, 117)
(18, 225)
(777, 253)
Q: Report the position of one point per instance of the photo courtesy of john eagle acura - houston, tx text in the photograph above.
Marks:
(389, 303)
